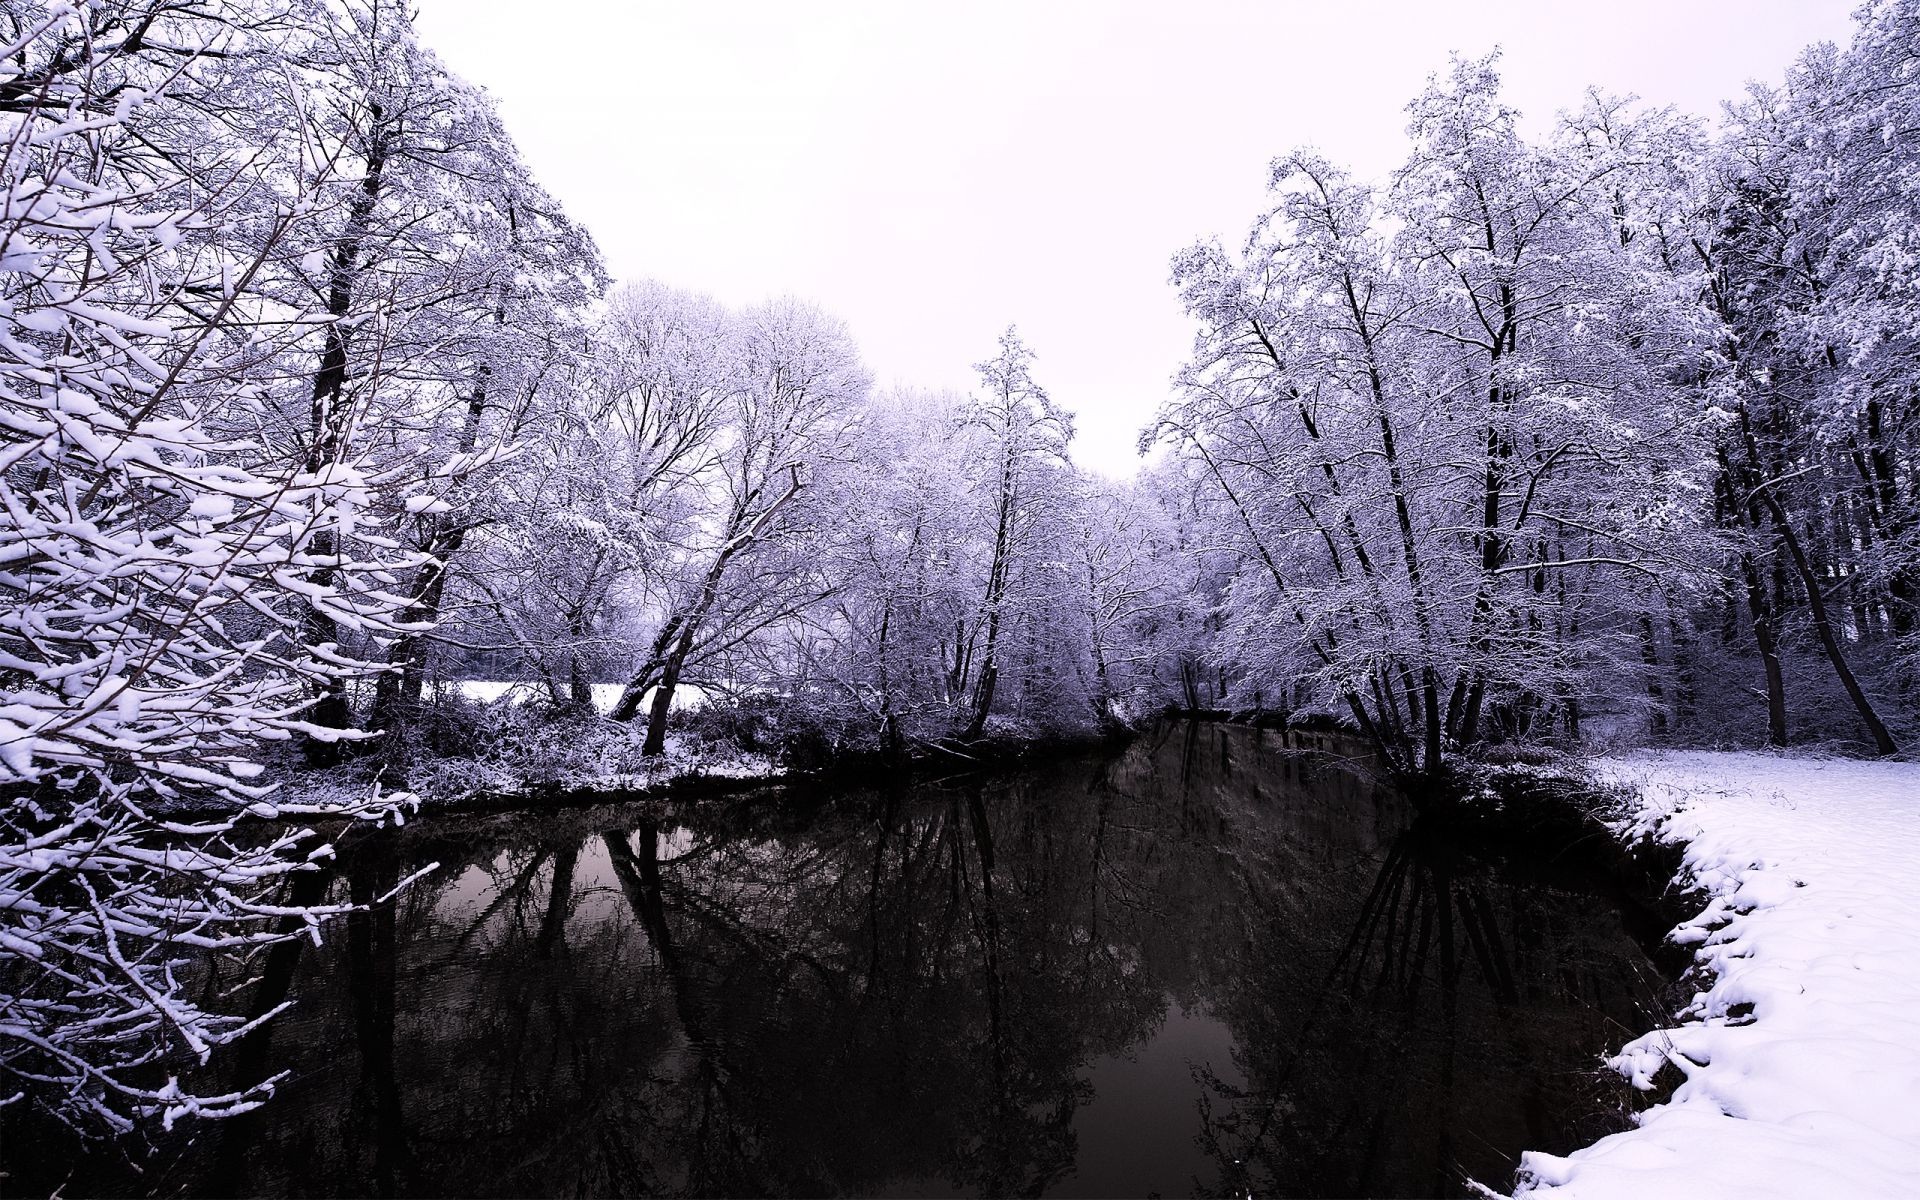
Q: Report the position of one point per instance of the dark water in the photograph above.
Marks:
(1202, 965)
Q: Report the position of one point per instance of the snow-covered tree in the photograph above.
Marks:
(766, 396)
(1021, 437)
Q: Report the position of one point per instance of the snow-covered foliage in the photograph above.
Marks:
(984, 586)
(1501, 442)
(1810, 283)
(1439, 419)
(197, 487)
(1798, 1062)
(727, 506)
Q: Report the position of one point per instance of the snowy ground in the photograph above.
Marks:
(686, 696)
(1802, 1059)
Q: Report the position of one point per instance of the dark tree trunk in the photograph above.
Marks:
(656, 741)
(1823, 625)
(1650, 658)
(1762, 613)
(328, 423)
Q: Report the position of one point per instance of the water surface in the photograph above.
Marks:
(1202, 965)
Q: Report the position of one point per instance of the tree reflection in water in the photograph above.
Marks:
(974, 987)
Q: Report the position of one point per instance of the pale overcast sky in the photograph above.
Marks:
(932, 173)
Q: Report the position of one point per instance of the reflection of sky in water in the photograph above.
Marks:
(1137, 1136)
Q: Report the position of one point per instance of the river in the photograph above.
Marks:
(1204, 963)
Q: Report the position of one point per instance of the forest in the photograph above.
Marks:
(339, 480)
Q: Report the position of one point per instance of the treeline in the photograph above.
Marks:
(719, 504)
(1616, 422)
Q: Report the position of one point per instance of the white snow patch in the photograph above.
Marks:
(1802, 1057)
(605, 695)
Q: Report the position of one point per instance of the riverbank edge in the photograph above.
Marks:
(853, 769)
(1724, 878)
(867, 768)
(850, 768)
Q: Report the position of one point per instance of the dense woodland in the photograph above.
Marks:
(313, 404)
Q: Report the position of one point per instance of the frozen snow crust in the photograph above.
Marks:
(1802, 1056)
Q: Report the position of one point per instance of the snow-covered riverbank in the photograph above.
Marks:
(1802, 1056)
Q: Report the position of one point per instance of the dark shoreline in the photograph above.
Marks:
(850, 770)
(921, 763)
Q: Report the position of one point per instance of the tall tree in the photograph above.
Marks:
(1023, 439)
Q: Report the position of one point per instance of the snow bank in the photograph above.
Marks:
(1802, 1058)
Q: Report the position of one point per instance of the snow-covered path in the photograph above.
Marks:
(1803, 1058)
